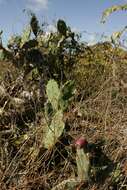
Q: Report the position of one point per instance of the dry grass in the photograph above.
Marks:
(98, 112)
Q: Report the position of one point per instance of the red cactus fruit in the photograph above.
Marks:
(81, 142)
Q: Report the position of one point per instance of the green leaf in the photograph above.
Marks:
(54, 131)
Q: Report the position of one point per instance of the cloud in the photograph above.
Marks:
(51, 28)
(76, 30)
(92, 39)
(37, 5)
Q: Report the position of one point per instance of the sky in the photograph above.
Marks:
(81, 15)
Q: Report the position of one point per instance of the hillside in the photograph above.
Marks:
(92, 85)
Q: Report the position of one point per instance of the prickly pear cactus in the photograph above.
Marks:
(48, 111)
(83, 164)
(54, 131)
(58, 100)
(61, 27)
(83, 167)
(67, 93)
(53, 93)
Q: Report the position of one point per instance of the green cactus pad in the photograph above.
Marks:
(53, 93)
(67, 92)
(54, 131)
(83, 164)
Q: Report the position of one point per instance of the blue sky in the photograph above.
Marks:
(81, 15)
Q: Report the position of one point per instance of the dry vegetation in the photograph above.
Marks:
(98, 111)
